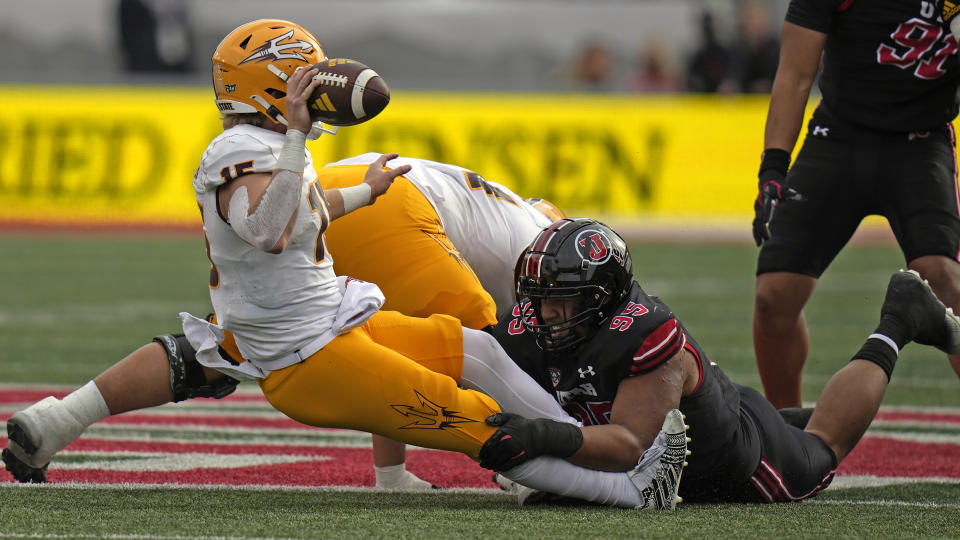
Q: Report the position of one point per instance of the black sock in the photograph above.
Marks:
(884, 344)
(894, 329)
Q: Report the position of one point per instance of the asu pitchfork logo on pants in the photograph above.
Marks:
(429, 415)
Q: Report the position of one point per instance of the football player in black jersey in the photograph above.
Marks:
(618, 360)
(880, 142)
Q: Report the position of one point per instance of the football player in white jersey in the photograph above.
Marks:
(319, 347)
(488, 225)
(422, 241)
(441, 240)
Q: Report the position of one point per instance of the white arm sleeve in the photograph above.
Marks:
(264, 227)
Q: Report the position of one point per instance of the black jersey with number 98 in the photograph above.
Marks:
(888, 64)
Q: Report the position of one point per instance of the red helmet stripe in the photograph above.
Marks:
(543, 240)
(533, 264)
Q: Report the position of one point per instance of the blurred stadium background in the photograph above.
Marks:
(416, 44)
(645, 113)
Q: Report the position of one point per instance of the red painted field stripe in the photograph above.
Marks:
(147, 420)
(878, 456)
(30, 395)
(904, 416)
(87, 444)
(339, 466)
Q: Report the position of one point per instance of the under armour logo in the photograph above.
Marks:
(821, 131)
(584, 372)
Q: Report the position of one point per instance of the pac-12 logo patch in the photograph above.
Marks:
(594, 246)
(554, 376)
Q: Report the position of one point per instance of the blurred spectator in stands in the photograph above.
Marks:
(156, 36)
(757, 49)
(653, 70)
(709, 67)
(593, 68)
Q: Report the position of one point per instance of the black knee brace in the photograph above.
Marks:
(186, 374)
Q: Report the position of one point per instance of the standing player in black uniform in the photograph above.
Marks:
(880, 142)
(618, 359)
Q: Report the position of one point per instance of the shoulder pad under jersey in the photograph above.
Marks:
(236, 151)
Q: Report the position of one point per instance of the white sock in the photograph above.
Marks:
(399, 478)
(488, 369)
(555, 475)
(86, 404)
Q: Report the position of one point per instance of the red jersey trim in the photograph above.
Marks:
(661, 345)
(693, 351)
(771, 485)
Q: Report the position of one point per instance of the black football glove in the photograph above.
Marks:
(521, 439)
(773, 169)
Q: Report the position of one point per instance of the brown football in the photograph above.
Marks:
(349, 93)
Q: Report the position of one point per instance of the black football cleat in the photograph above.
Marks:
(22, 471)
(910, 300)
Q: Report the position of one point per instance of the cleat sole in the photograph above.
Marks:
(23, 473)
(16, 434)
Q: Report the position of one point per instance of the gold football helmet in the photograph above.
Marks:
(252, 64)
(547, 208)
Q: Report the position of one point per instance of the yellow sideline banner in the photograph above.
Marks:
(127, 155)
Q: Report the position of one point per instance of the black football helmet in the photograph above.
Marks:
(573, 258)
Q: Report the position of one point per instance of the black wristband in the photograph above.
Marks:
(554, 438)
(776, 159)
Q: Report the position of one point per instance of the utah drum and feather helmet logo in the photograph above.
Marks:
(594, 246)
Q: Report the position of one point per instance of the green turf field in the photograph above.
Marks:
(71, 305)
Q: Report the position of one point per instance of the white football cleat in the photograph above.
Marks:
(525, 496)
(37, 433)
(404, 481)
(657, 475)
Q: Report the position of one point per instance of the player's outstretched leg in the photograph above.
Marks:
(657, 476)
(910, 299)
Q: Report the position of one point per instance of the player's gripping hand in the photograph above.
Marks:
(521, 439)
(773, 170)
(300, 86)
(949, 9)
